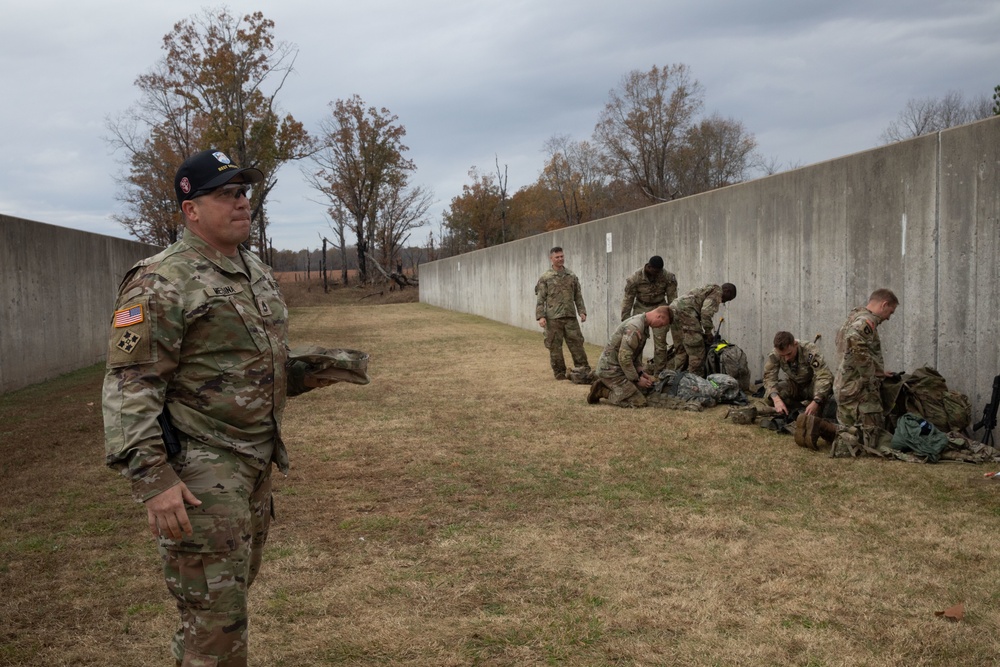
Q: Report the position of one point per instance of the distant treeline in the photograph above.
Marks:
(311, 260)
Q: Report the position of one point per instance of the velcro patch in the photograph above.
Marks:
(129, 315)
(128, 342)
(225, 290)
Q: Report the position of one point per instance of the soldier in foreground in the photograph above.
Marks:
(860, 373)
(692, 328)
(558, 300)
(620, 376)
(199, 339)
(807, 377)
(648, 288)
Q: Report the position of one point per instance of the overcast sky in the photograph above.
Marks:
(478, 81)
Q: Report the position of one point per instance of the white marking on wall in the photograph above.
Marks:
(701, 247)
(904, 235)
(607, 242)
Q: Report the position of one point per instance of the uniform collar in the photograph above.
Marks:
(236, 264)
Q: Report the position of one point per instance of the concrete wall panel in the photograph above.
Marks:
(56, 297)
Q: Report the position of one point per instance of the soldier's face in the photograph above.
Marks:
(885, 311)
(220, 219)
(789, 353)
(558, 260)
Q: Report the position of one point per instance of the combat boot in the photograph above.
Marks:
(598, 390)
(801, 426)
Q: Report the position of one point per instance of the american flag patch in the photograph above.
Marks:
(126, 317)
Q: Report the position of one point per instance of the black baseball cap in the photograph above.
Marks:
(205, 171)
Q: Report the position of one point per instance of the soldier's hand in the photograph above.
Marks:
(812, 408)
(780, 406)
(645, 381)
(583, 317)
(167, 514)
(541, 322)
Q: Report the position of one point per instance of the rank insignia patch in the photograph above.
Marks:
(126, 317)
(128, 341)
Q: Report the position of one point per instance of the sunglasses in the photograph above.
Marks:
(230, 191)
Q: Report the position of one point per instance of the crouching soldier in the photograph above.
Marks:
(620, 376)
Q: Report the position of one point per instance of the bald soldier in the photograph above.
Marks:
(620, 375)
(861, 370)
(806, 375)
(558, 301)
(692, 328)
(648, 288)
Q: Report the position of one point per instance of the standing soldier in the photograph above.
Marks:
(199, 339)
(807, 377)
(558, 300)
(646, 289)
(620, 375)
(692, 327)
(861, 371)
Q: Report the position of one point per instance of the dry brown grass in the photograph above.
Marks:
(466, 509)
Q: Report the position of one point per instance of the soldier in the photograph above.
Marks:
(861, 371)
(692, 327)
(646, 289)
(620, 376)
(199, 336)
(558, 300)
(807, 377)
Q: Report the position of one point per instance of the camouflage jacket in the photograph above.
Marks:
(557, 294)
(860, 353)
(193, 331)
(623, 353)
(700, 305)
(641, 291)
(807, 367)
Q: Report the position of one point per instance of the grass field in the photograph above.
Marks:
(466, 509)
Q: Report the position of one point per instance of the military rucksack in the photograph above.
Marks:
(724, 357)
(924, 392)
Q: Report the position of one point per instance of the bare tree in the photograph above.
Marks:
(643, 123)
(216, 86)
(717, 152)
(922, 116)
(360, 163)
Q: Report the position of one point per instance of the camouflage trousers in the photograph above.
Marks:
(659, 336)
(863, 415)
(623, 392)
(210, 572)
(568, 329)
(794, 395)
(689, 344)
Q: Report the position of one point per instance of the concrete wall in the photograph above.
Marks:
(803, 248)
(57, 291)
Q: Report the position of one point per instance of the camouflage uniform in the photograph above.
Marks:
(206, 336)
(858, 379)
(643, 295)
(620, 365)
(692, 322)
(558, 300)
(807, 377)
